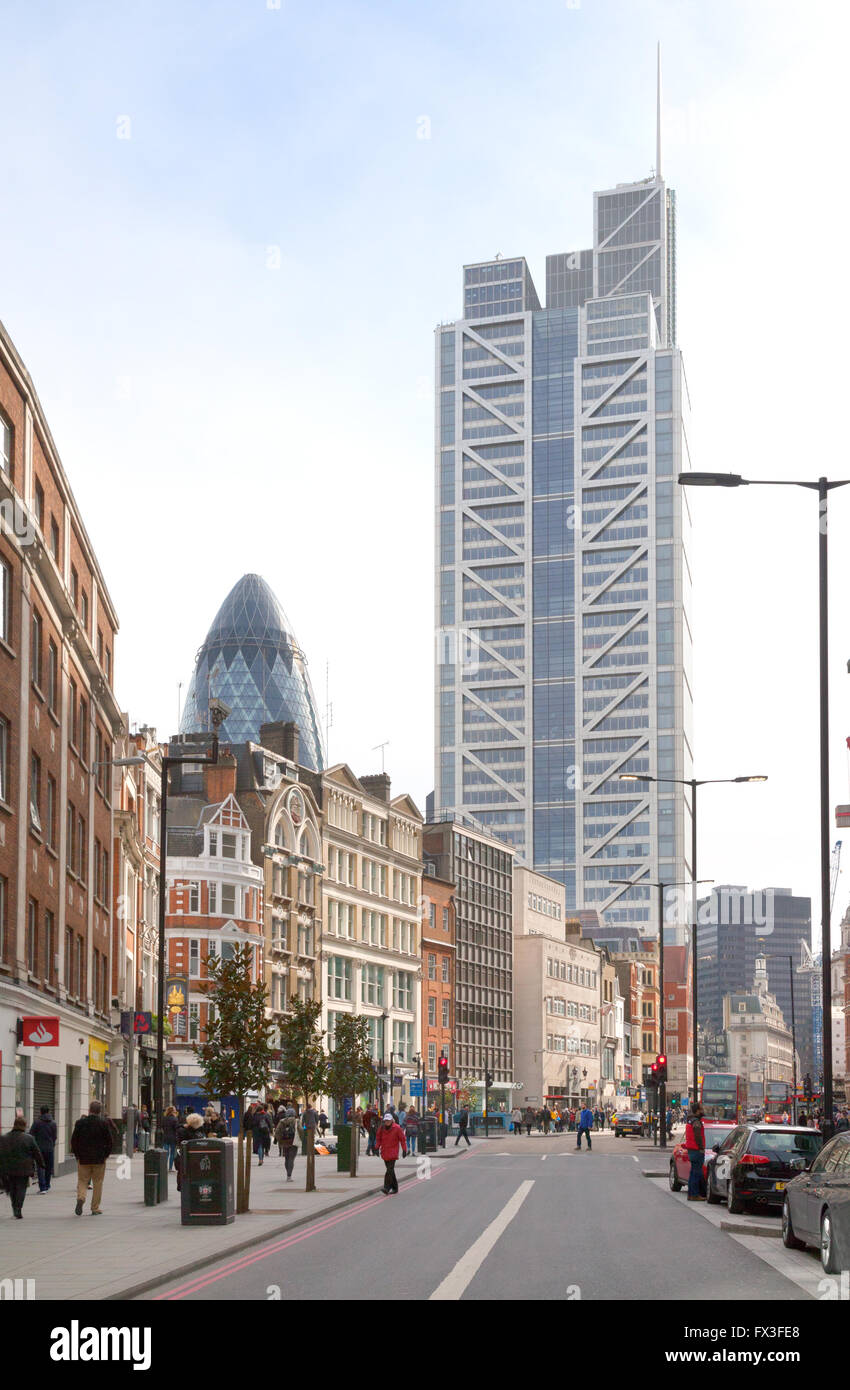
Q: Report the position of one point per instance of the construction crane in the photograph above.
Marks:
(833, 881)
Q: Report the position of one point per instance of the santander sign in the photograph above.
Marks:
(40, 1032)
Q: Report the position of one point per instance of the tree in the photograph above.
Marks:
(469, 1090)
(350, 1068)
(237, 1055)
(303, 1063)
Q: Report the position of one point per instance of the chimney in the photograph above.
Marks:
(220, 779)
(378, 786)
(281, 738)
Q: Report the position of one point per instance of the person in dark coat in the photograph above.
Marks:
(18, 1153)
(43, 1131)
(91, 1145)
(170, 1126)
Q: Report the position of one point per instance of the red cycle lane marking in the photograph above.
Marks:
(244, 1262)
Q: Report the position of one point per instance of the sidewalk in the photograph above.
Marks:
(131, 1247)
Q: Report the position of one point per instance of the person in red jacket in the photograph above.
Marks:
(388, 1140)
(695, 1145)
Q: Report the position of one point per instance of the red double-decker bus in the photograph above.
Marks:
(724, 1096)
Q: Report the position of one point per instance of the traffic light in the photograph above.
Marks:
(660, 1069)
(488, 1080)
(443, 1070)
(654, 1078)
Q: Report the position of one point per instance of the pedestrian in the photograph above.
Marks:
(210, 1121)
(516, 1119)
(695, 1145)
(143, 1129)
(462, 1123)
(668, 1119)
(843, 1122)
(803, 1120)
(262, 1132)
(572, 1124)
(411, 1128)
(91, 1145)
(529, 1120)
(547, 1119)
(323, 1121)
(371, 1120)
(585, 1125)
(43, 1131)
(390, 1138)
(170, 1125)
(286, 1137)
(19, 1154)
(191, 1128)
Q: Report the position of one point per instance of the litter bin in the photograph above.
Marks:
(207, 1196)
(156, 1177)
(343, 1148)
(427, 1134)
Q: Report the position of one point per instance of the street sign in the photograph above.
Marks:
(398, 1080)
(142, 1022)
(416, 1087)
(40, 1032)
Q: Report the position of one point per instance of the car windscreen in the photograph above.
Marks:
(784, 1145)
(715, 1134)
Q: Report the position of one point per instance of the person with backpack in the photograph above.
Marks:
(585, 1125)
(411, 1128)
(462, 1124)
(43, 1131)
(19, 1154)
(286, 1138)
(695, 1145)
(529, 1120)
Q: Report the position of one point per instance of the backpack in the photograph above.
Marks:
(288, 1130)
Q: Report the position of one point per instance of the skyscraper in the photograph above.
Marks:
(562, 582)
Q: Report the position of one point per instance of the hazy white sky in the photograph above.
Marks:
(223, 252)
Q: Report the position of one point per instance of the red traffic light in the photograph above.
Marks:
(443, 1062)
(661, 1060)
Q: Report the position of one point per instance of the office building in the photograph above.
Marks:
(562, 581)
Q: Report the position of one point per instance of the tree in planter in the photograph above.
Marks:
(350, 1068)
(304, 1064)
(237, 1055)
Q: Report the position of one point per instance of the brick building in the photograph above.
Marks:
(438, 975)
(58, 719)
(678, 1016)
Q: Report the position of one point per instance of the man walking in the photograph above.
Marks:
(695, 1145)
(388, 1141)
(286, 1138)
(91, 1145)
(43, 1131)
(18, 1153)
(585, 1125)
(462, 1123)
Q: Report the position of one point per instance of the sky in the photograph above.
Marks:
(229, 230)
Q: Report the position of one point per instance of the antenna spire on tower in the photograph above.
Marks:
(658, 117)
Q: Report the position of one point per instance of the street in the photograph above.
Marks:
(515, 1218)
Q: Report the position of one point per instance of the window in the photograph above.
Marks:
(5, 445)
(432, 966)
(72, 706)
(194, 1022)
(36, 665)
(403, 991)
(69, 960)
(81, 848)
(305, 941)
(32, 935)
(39, 505)
(84, 730)
(228, 846)
(374, 928)
(109, 665)
(52, 675)
(445, 1022)
(5, 598)
(445, 965)
(54, 538)
(228, 899)
(432, 912)
(70, 824)
(49, 946)
(432, 1056)
(84, 611)
(372, 984)
(75, 586)
(432, 1011)
(194, 959)
(402, 1038)
(35, 792)
(3, 886)
(339, 977)
(194, 897)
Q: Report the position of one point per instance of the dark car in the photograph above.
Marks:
(630, 1122)
(680, 1164)
(816, 1210)
(756, 1162)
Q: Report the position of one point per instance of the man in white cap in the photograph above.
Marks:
(388, 1140)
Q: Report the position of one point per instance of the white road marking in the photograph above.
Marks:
(469, 1264)
(543, 1158)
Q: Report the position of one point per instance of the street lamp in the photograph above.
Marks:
(218, 713)
(790, 961)
(823, 487)
(693, 783)
(630, 883)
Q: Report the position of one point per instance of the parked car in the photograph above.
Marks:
(630, 1122)
(756, 1162)
(816, 1209)
(680, 1165)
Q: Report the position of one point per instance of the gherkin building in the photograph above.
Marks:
(251, 660)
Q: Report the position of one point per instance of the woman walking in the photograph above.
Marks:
(170, 1124)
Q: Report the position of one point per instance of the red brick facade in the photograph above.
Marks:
(438, 975)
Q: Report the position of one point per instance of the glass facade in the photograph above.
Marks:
(251, 661)
(563, 582)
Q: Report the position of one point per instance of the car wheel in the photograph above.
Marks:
(789, 1240)
(712, 1197)
(733, 1201)
(675, 1184)
(828, 1256)
(618, 1134)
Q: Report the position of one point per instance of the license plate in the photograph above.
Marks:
(779, 1186)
